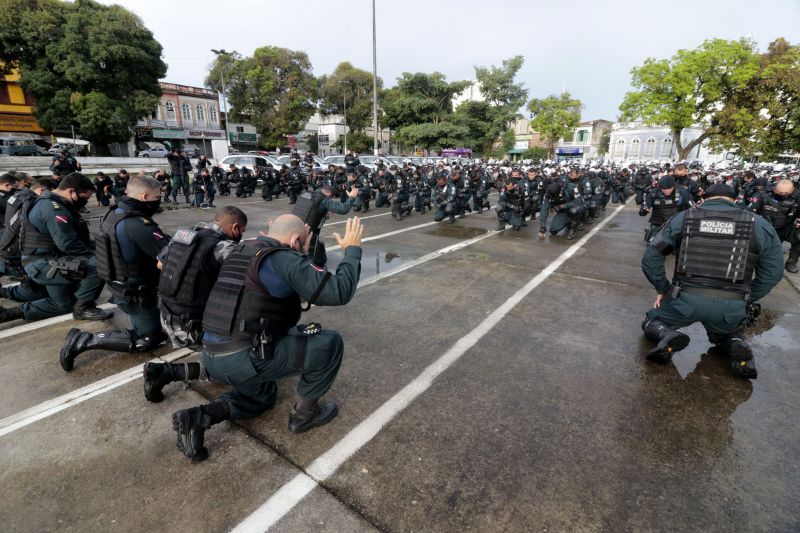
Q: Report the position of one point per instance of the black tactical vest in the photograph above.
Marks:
(111, 266)
(718, 249)
(30, 240)
(777, 213)
(189, 271)
(9, 240)
(239, 306)
(664, 207)
(309, 209)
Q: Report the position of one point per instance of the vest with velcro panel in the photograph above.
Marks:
(189, 271)
(718, 249)
(664, 207)
(239, 306)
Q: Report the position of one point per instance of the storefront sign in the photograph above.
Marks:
(19, 123)
(169, 134)
(206, 134)
(567, 151)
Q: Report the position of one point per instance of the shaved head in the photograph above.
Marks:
(140, 186)
(784, 187)
(285, 227)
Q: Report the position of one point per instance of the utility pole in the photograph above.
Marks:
(224, 105)
(344, 114)
(374, 86)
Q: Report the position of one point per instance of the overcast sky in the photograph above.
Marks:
(589, 45)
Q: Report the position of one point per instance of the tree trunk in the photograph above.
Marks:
(684, 151)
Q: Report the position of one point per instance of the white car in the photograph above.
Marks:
(154, 151)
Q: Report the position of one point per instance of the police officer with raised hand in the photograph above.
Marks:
(57, 254)
(251, 334)
(189, 268)
(727, 259)
(313, 208)
(127, 245)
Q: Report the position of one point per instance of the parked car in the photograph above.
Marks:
(14, 145)
(57, 147)
(154, 151)
(191, 150)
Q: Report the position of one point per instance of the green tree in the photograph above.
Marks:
(420, 109)
(504, 98)
(87, 65)
(313, 142)
(274, 90)
(777, 90)
(555, 117)
(420, 98)
(351, 86)
(711, 86)
(605, 142)
(357, 141)
(537, 153)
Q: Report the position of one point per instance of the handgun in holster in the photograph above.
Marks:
(71, 268)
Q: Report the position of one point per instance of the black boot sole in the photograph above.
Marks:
(65, 356)
(153, 385)
(670, 344)
(742, 362)
(181, 423)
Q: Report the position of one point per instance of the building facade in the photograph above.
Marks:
(584, 142)
(16, 107)
(185, 115)
(636, 141)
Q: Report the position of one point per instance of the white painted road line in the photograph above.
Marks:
(280, 503)
(24, 328)
(51, 407)
(356, 214)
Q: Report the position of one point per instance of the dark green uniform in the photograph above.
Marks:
(285, 274)
(52, 216)
(718, 302)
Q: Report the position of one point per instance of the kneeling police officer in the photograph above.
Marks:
(190, 266)
(57, 254)
(313, 208)
(127, 246)
(727, 258)
(251, 334)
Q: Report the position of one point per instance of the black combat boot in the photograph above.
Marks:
(157, 375)
(742, 363)
(667, 340)
(571, 234)
(78, 341)
(89, 311)
(791, 263)
(307, 414)
(10, 313)
(191, 425)
(501, 225)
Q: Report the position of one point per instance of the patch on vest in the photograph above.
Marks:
(719, 227)
(184, 236)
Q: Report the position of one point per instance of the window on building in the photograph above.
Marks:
(5, 97)
(212, 114)
(633, 150)
(650, 148)
(239, 129)
(186, 111)
(619, 148)
(582, 136)
(666, 148)
(201, 114)
(170, 110)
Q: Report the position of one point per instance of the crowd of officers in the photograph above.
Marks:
(240, 302)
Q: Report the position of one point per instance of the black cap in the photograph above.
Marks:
(720, 189)
(666, 182)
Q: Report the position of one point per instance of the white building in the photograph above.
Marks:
(631, 141)
(470, 94)
(584, 142)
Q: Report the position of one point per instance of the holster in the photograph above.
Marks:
(133, 294)
(72, 268)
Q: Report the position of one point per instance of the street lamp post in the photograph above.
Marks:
(224, 105)
(344, 114)
(374, 87)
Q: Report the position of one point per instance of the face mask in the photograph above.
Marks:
(80, 203)
(151, 208)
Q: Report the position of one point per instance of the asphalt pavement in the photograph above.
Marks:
(491, 382)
